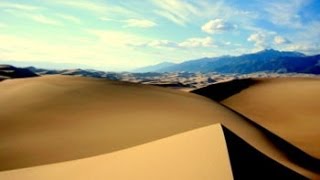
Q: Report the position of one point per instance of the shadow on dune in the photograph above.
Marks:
(221, 91)
(248, 163)
(295, 154)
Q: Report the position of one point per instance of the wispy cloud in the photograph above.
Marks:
(36, 17)
(282, 12)
(103, 9)
(161, 44)
(138, 23)
(141, 23)
(308, 48)
(19, 6)
(84, 5)
(44, 20)
(177, 11)
(306, 39)
(3, 25)
(70, 18)
(197, 42)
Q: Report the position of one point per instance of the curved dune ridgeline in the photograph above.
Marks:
(287, 107)
(84, 127)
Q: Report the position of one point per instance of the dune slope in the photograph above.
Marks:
(286, 107)
(196, 154)
(289, 107)
(49, 117)
(53, 119)
(262, 166)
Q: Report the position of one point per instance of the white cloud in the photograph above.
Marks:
(191, 43)
(162, 43)
(279, 40)
(268, 39)
(217, 25)
(70, 18)
(142, 23)
(259, 39)
(197, 42)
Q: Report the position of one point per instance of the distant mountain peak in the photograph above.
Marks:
(270, 50)
(274, 52)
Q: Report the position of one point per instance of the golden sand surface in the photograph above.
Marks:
(58, 120)
(289, 107)
(196, 154)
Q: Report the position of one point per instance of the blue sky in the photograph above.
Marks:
(125, 34)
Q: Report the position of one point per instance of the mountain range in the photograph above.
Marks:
(268, 60)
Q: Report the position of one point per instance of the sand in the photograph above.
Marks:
(197, 154)
(289, 107)
(57, 114)
(65, 120)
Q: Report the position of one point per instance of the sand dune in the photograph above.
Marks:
(54, 119)
(57, 114)
(197, 154)
(289, 107)
(257, 165)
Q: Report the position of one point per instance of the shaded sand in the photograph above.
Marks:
(61, 118)
(223, 90)
(289, 107)
(197, 154)
(245, 160)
